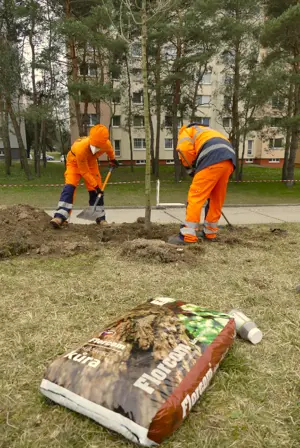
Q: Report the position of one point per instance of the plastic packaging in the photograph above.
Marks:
(245, 327)
(142, 374)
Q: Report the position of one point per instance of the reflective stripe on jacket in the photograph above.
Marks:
(82, 157)
(203, 147)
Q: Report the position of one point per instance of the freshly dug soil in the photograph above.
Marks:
(159, 251)
(25, 229)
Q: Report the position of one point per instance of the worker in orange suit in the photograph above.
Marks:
(82, 163)
(212, 159)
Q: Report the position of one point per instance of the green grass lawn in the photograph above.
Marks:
(133, 194)
(49, 305)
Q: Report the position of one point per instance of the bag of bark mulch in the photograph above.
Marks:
(143, 373)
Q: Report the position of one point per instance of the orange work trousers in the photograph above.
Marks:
(210, 183)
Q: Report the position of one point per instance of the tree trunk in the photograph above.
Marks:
(292, 157)
(152, 142)
(5, 136)
(147, 118)
(129, 112)
(24, 160)
(243, 157)
(74, 63)
(37, 161)
(194, 102)
(175, 104)
(235, 108)
(98, 111)
(295, 127)
(158, 108)
(284, 175)
(42, 143)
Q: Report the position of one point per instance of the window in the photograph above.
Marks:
(276, 143)
(170, 162)
(168, 143)
(276, 122)
(138, 121)
(136, 50)
(203, 100)
(117, 147)
(88, 69)
(250, 147)
(228, 79)
(137, 72)
(227, 122)
(92, 69)
(274, 160)
(277, 102)
(116, 99)
(139, 143)
(140, 162)
(137, 97)
(170, 52)
(227, 102)
(202, 120)
(206, 78)
(115, 74)
(91, 119)
(1, 152)
(116, 121)
(168, 121)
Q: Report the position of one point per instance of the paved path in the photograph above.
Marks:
(277, 214)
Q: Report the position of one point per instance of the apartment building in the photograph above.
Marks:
(266, 150)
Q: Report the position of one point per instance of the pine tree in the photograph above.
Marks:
(282, 38)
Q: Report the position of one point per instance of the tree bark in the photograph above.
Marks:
(284, 175)
(295, 134)
(5, 136)
(235, 108)
(147, 118)
(175, 104)
(152, 136)
(158, 108)
(74, 64)
(129, 112)
(37, 161)
(24, 160)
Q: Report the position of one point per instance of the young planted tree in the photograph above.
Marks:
(141, 12)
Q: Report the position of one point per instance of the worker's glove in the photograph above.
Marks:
(114, 163)
(98, 191)
(190, 171)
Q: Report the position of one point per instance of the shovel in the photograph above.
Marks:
(88, 214)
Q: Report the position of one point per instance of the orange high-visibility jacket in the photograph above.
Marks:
(81, 157)
(203, 146)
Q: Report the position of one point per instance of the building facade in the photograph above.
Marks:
(266, 150)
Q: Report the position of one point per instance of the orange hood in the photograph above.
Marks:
(99, 135)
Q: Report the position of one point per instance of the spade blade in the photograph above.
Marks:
(87, 214)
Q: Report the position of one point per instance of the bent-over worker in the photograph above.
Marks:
(213, 160)
(82, 163)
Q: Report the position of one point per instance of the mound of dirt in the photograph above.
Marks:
(25, 229)
(159, 251)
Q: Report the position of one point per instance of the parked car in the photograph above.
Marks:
(62, 158)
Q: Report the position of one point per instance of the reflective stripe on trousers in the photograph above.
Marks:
(65, 203)
(210, 229)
